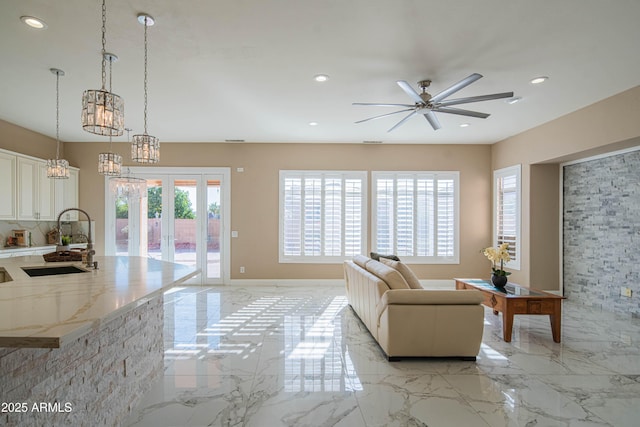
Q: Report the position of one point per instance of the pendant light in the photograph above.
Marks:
(110, 163)
(145, 148)
(102, 111)
(57, 168)
(127, 186)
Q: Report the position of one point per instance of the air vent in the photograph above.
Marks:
(372, 142)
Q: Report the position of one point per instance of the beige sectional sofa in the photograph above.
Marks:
(409, 321)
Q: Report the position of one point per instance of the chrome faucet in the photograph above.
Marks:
(90, 251)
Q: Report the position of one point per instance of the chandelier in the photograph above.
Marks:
(57, 168)
(102, 111)
(145, 148)
(128, 187)
(110, 163)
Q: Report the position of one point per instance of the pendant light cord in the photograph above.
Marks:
(57, 115)
(145, 75)
(104, 42)
(110, 87)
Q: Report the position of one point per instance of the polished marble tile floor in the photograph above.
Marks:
(298, 356)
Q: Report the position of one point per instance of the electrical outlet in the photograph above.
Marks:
(242, 270)
(625, 292)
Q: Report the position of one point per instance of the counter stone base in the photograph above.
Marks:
(94, 381)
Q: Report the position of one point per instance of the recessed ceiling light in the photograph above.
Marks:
(321, 78)
(313, 123)
(34, 22)
(538, 80)
(513, 100)
(464, 125)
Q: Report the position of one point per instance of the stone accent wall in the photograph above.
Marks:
(94, 381)
(601, 232)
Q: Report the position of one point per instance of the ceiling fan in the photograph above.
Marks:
(427, 105)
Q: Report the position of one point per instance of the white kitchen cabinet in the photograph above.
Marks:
(36, 192)
(7, 186)
(67, 195)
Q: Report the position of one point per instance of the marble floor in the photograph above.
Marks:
(298, 356)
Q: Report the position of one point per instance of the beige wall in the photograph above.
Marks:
(254, 194)
(21, 140)
(605, 126)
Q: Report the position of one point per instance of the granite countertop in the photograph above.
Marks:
(50, 311)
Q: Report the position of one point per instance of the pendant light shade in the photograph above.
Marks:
(103, 111)
(110, 164)
(57, 168)
(145, 148)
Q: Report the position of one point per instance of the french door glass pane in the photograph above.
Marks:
(185, 224)
(122, 226)
(213, 229)
(154, 218)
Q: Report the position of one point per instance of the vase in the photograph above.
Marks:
(498, 281)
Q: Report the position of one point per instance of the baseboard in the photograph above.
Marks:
(427, 284)
(287, 282)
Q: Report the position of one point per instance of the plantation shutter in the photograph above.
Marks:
(322, 215)
(507, 211)
(416, 215)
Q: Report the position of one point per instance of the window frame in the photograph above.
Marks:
(322, 259)
(498, 174)
(415, 175)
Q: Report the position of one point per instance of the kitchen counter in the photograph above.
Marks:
(15, 251)
(51, 311)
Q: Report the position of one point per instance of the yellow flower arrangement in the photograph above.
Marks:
(501, 255)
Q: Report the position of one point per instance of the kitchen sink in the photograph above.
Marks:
(52, 271)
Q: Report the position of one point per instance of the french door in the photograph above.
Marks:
(182, 220)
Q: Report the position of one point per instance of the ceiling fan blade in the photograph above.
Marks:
(456, 87)
(475, 99)
(383, 115)
(401, 122)
(382, 105)
(433, 120)
(410, 91)
(461, 112)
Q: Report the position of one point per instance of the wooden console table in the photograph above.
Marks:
(516, 299)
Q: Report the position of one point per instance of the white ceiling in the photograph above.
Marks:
(243, 69)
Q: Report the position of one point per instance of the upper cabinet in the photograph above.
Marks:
(28, 194)
(36, 192)
(67, 195)
(7, 186)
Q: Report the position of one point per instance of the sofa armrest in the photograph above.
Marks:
(428, 297)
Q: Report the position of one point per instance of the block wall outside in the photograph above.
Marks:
(93, 381)
(601, 232)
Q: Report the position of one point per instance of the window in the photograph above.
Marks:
(506, 212)
(415, 216)
(322, 216)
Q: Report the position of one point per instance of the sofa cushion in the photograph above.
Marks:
(433, 297)
(409, 276)
(391, 276)
(376, 256)
(361, 260)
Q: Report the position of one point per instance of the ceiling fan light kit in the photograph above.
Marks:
(428, 105)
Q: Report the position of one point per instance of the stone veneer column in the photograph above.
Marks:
(94, 381)
(601, 213)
